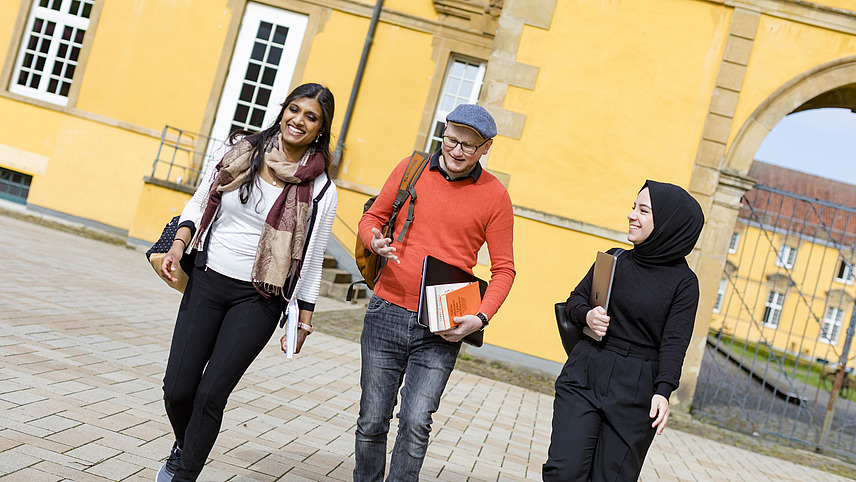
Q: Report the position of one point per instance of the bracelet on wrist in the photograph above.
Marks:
(305, 327)
(182, 241)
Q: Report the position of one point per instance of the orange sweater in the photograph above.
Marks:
(451, 221)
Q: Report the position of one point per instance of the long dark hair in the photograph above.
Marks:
(260, 139)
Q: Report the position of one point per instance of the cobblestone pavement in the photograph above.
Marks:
(84, 332)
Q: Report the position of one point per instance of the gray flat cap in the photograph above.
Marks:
(474, 116)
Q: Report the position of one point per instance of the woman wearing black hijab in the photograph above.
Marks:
(612, 396)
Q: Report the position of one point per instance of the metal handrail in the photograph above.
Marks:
(195, 149)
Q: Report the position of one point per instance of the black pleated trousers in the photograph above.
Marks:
(601, 427)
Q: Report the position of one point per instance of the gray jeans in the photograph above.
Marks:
(394, 344)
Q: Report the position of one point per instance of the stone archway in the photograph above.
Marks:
(829, 85)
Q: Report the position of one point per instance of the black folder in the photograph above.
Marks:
(437, 272)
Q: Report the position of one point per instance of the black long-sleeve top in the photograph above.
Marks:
(650, 305)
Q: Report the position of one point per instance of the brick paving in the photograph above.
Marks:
(84, 332)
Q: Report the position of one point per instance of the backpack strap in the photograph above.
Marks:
(407, 188)
(418, 161)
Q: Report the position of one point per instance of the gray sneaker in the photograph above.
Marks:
(167, 470)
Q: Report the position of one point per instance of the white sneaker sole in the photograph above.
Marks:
(163, 475)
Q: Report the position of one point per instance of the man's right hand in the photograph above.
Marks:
(381, 246)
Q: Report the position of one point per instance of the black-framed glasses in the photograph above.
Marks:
(450, 142)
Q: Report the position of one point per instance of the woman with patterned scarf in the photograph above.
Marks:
(258, 245)
(612, 396)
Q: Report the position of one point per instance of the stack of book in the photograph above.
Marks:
(447, 301)
(458, 289)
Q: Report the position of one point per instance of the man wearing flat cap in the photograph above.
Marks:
(459, 208)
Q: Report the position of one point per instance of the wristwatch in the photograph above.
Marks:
(483, 319)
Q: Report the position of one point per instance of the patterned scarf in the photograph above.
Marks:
(279, 255)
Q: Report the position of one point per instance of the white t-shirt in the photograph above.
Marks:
(235, 235)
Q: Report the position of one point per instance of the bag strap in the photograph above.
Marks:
(415, 166)
(288, 289)
(418, 161)
(313, 215)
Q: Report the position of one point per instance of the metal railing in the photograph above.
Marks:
(182, 155)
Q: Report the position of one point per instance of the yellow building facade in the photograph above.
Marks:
(789, 281)
(800, 308)
(591, 98)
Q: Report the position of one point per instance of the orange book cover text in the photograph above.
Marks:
(460, 302)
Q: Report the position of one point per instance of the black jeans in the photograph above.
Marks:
(601, 427)
(222, 326)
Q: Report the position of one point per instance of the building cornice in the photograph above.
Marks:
(801, 11)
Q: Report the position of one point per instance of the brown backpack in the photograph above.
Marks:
(370, 263)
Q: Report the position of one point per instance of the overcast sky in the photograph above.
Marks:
(820, 142)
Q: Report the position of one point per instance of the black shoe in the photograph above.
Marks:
(167, 470)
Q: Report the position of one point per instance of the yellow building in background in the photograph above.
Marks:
(790, 281)
(591, 98)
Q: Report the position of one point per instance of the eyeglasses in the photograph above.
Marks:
(451, 143)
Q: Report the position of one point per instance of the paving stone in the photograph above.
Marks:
(115, 469)
(30, 474)
(55, 423)
(69, 473)
(22, 397)
(93, 452)
(14, 460)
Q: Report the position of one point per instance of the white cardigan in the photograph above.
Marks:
(310, 274)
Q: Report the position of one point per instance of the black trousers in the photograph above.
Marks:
(222, 326)
(601, 427)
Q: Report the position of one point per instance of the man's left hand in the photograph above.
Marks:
(466, 324)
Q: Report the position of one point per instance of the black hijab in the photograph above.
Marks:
(678, 220)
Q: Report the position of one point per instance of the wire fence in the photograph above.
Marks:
(779, 348)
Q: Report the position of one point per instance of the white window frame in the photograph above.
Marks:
(735, 241)
(830, 329)
(50, 57)
(455, 97)
(844, 272)
(786, 257)
(253, 15)
(720, 295)
(773, 309)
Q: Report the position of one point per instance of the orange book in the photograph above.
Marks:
(438, 278)
(460, 302)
